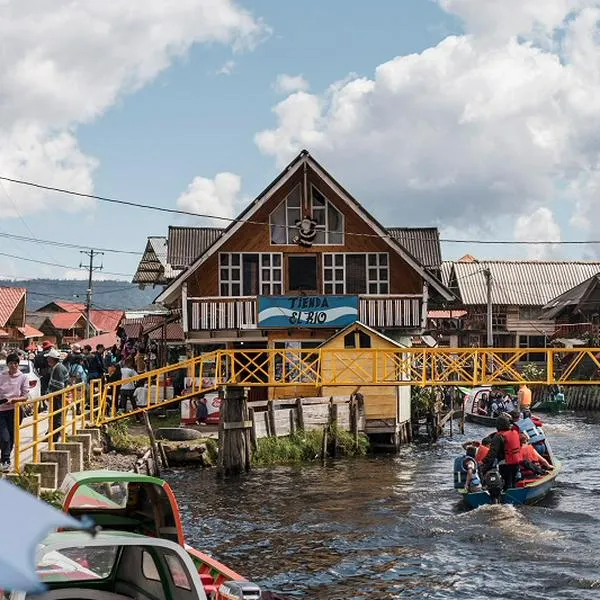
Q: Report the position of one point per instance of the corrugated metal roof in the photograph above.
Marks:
(70, 306)
(185, 244)
(9, 301)
(30, 332)
(446, 271)
(422, 242)
(520, 283)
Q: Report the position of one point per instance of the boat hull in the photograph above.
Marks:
(480, 419)
(529, 494)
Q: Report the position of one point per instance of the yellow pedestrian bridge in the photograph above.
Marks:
(71, 409)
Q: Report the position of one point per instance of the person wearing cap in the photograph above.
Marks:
(14, 387)
(59, 379)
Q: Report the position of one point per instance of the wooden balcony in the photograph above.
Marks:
(226, 313)
(576, 330)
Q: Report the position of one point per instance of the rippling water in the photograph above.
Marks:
(391, 527)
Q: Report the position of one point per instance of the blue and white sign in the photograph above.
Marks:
(307, 311)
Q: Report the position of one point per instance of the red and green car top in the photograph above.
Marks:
(136, 503)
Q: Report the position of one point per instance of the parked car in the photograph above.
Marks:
(26, 366)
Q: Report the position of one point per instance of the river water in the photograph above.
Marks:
(391, 527)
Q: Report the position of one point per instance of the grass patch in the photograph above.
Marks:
(305, 446)
(121, 439)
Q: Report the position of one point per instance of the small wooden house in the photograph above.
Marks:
(387, 407)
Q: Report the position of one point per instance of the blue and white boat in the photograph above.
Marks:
(529, 489)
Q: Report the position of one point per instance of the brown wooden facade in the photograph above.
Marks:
(215, 311)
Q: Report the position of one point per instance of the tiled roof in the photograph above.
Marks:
(30, 332)
(422, 242)
(519, 283)
(70, 306)
(66, 320)
(446, 314)
(185, 244)
(10, 297)
(106, 320)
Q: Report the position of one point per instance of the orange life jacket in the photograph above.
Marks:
(512, 447)
(482, 452)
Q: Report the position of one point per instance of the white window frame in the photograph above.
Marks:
(330, 269)
(289, 227)
(262, 280)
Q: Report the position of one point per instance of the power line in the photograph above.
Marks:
(188, 213)
(52, 264)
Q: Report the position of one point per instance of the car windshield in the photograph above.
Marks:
(23, 367)
(77, 564)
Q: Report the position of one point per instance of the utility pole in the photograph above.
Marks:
(91, 268)
(490, 333)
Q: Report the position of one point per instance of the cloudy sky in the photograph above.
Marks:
(479, 116)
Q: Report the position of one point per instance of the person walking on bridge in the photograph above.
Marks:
(14, 387)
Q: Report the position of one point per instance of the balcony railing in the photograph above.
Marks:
(222, 313)
(576, 330)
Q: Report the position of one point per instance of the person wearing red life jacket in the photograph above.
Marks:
(506, 449)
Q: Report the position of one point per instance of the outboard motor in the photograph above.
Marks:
(239, 590)
(494, 484)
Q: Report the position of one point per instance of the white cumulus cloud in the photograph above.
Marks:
(287, 84)
(217, 197)
(64, 63)
(539, 226)
(492, 124)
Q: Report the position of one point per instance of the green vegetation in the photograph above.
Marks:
(305, 446)
(121, 439)
(53, 497)
(423, 400)
(27, 481)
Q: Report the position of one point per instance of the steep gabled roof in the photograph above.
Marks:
(66, 320)
(358, 325)
(304, 158)
(519, 283)
(154, 267)
(10, 298)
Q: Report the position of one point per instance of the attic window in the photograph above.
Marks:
(330, 221)
(357, 339)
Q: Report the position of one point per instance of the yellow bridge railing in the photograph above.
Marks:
(71, 408)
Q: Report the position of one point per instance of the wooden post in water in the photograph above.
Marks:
(271, 413)
(333, 408)
(253, 439)
(153, 447)
(300, 413)
(235, 451)
(354, 418)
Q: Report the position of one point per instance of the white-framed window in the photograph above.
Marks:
(250, 273)
(356, 273)
(330, 221)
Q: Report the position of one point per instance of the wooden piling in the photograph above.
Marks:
(253, 439)
(271, 413)
(354, 418)
(300, 414)
(324, 445)
(235, 452)
(333, 408)
(292, 422)
(153, 446)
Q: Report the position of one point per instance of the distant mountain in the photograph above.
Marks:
(106, 294)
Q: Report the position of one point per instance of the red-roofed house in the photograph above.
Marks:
(62, 306)
(13, 311)
(70, 327)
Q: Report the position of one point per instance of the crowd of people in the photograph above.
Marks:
(514, 453)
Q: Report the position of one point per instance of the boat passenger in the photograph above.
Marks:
(531, 459)
(473, 482)
(524, 397)
(483, 449)
(505, 448)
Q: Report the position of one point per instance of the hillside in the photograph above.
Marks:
(107, 294)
